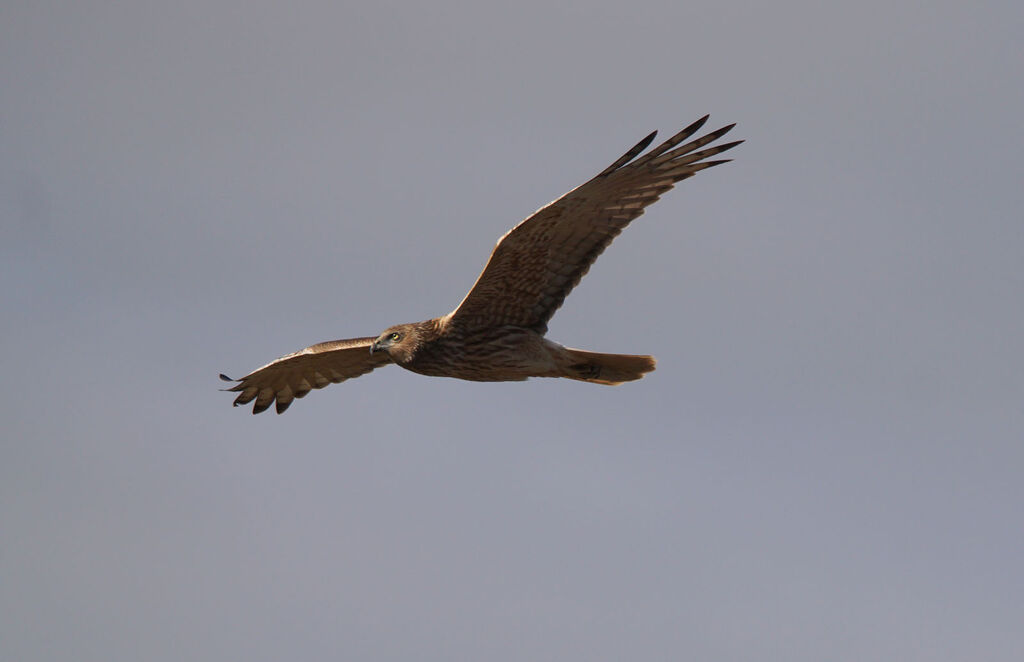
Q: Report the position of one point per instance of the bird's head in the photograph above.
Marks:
(400, 342)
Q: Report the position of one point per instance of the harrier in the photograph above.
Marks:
(497, 333)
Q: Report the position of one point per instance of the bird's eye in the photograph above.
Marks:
(394, 336)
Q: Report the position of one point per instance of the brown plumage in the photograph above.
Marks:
(497, 332)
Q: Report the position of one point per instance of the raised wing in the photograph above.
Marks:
(295, 375)
(537, 263)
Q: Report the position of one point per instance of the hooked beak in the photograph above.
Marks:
(375, 347)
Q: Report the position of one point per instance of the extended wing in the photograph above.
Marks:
(295, 375)
(537, 263)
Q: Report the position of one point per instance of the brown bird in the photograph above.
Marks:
(497, 333)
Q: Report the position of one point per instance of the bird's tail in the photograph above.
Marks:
(610, 369)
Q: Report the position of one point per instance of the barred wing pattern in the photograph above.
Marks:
(536, 264)
(295, 375)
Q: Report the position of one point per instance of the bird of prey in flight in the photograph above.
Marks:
(497, 333)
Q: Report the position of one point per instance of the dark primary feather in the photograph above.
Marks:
(535, 265)
(628, 156)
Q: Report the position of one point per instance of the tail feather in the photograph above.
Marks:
(610, 369)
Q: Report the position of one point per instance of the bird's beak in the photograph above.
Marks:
(374, 347)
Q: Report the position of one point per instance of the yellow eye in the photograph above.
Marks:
(394, 336)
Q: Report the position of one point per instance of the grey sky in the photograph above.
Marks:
(825, 466)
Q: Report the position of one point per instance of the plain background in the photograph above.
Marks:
(825, 466)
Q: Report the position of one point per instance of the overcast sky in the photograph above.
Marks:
(826, 465)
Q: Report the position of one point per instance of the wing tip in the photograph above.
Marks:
(691, 129)
(236, 387)
(711, 164)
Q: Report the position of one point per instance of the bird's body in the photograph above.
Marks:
(498, 331)
(494, 354)
(502, 354)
